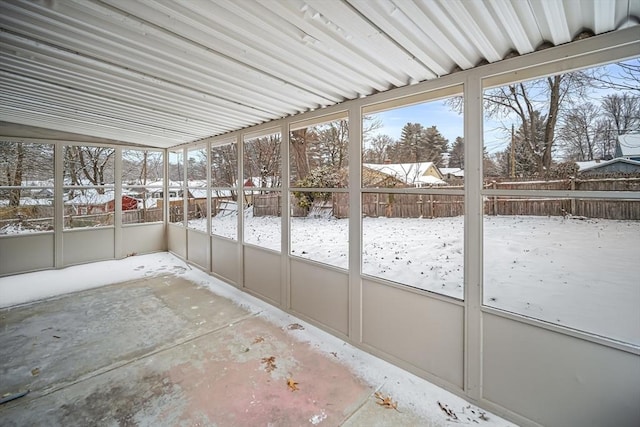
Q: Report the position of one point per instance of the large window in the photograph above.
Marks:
(224, 194)
(89, 195)
(197, 188)
(262, 197)
(412, 195)
(175, 198)
(319, 204)
(142, 191)
(26, 187)
(565, 259)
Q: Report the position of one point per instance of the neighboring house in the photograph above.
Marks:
(92, 202)
(628, 146)
(452, 174)
(617, 165)
(421, 174)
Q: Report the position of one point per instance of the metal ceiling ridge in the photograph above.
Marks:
(140, 38)
(583, 49)
(142, 77)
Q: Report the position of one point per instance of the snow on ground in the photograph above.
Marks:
(29, 287)
(579, 273)
(409, 391)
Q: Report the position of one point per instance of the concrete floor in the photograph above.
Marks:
(165, 352)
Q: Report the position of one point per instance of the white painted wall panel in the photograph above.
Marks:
(143, 239)
(177, 240)
(224, 258)
(263, 273)
(89, 245)
(19, 254)
(558, 380)
(198, 249)
(422, 331)
(320, 293)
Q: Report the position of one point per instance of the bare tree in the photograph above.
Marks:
(301, 141)
(93, 164)
(579, 132)
(378, 149)
(623, 110)
(544, 97)
(623, 76)
(262, 159)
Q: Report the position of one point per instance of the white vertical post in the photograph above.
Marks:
(117, 214)
(473, 153)
(185, 201)
(207, 148)
(240, 233)
(165, 196)
(285, 281)
(355, 224)
(58, 203)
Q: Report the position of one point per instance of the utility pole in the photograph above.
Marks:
(513, 153)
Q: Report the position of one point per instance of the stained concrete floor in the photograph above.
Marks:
(165, 352)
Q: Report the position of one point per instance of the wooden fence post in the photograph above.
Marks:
(495, 199)
(431, 211)
(573, 200)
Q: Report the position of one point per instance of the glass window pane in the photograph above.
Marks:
(419, 145)
(319, 155)
(320, 233)
(591, 128)
(224, 214)
(26, 164)
(570, 270)
(262, 222)
(142, 167)
(92, 207)
(415, 240)
(140, 205)
(197, 206)
(26, 211)
(176, 168)
(262, 162)
(88, 166)
(197, 167)
(224, 165)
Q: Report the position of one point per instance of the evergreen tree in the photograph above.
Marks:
(456, 155)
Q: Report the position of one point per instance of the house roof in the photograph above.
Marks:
(594, 164)
(162, 73)
(409, 173)
(629, 144)
(457, 172)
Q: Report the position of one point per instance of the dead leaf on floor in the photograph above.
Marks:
(387, 402)
(35, 372)
(295, 326)
(270, 363)
(293, 386)
(258, 340)
(447, 410)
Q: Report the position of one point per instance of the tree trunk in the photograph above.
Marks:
(14, 194)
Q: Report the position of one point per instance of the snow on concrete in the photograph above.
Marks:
(576, 273)
(29, 287)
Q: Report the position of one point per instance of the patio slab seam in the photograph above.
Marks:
(37, 394)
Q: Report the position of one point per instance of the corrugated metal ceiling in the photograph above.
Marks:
(165, 72)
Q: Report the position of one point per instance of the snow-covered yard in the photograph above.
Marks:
(577, 273)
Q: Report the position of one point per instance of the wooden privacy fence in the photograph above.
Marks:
(266, 204)
(142, 215)
(411, 205)
(442, 205)
(590, 208)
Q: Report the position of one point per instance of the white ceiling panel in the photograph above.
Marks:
(166, 72)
